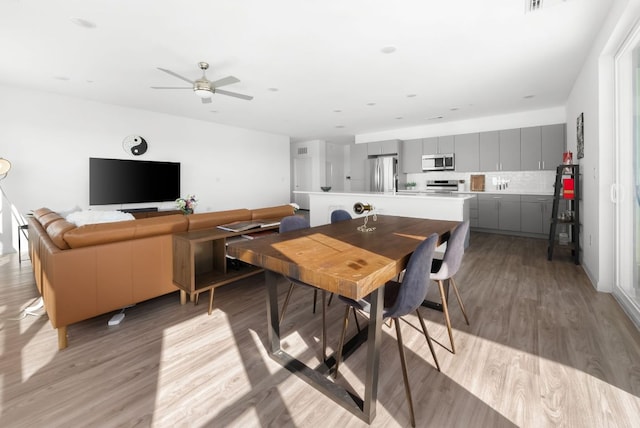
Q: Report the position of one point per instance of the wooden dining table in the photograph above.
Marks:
(340, 258)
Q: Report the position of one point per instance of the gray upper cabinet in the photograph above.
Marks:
(510, 150)
(382, 147)
(435, 145)
(542, 147)
(411, 156)
(489, 151)
(553, 145)
(531, 146)
(500, 150)
(467, 152)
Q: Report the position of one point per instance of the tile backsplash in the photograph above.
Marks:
(512, 181)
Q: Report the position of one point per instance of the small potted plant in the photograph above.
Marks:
(410, 185)
(187, 205)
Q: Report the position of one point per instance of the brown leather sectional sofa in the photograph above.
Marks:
(85, 271)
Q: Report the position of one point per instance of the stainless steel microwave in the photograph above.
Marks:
(438, 162)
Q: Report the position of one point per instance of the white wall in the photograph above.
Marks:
(49, 138)
(593, 94)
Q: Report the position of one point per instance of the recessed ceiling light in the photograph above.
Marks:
(213, 111)
(454, 108)
(435, 118)
(90, 81)
(411, 95)
(80, 22)
(337, 111)
(399, 117)
(339, 126)
(273, 89)
(388, 49)
(371, 104)
(528, 97)
(65, 78)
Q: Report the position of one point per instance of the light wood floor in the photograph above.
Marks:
(543, 350)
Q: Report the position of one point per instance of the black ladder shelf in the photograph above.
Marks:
(573, 219)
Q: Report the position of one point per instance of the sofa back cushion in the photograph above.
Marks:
(56, 231)
(213, 219)
(40, 212)
(46, 219)
(103, 233)
(279, 211)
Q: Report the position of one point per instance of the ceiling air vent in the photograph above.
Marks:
(302, 150)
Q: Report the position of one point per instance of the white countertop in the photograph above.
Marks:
(401, 194)
(487, 192)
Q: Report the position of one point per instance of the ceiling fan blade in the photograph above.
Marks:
(234, 94)
(225, 81)
(206, 100)
(171, 87)
(175, 75)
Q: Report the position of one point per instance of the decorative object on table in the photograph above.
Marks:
(325, 188)
(135, 144)
(187, 205)
(410, 185)
(360, 208)
(580, 135)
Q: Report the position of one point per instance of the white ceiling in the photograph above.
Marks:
(460, 59)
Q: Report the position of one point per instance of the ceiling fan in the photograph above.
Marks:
(203, 87)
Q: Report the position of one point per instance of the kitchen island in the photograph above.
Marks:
(436, 206)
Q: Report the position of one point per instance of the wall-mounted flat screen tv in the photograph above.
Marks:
(121, 181)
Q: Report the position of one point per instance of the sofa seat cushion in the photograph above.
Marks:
(213, 219)
(103, 233)
(56, 231)
(272, 212)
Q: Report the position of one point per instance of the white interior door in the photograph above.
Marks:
(626, 191)
(302, 180)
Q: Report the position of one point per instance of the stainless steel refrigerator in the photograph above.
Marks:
(383, 173)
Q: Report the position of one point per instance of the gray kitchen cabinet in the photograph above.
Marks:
(411, 156)
(553, 145)
(500, 150)
(489, 151)
(499, 212)
(531, 146)
(542, 147)
(382, 147)
(510, 150)
(358, 164)
(467, 154)
(435, 145)
(473, 212)
(534, 211)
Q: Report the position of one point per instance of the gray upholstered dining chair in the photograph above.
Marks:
(340, 215)
(445, 268)
(402, 299)
(295, 222)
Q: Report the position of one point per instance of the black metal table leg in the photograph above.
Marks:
(318, 378)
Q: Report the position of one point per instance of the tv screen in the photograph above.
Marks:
(119, 181)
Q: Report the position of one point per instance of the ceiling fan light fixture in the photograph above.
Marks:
(202, 93)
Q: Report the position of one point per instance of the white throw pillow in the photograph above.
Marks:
(80, 218)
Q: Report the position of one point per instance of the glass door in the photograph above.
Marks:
(627, 190)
